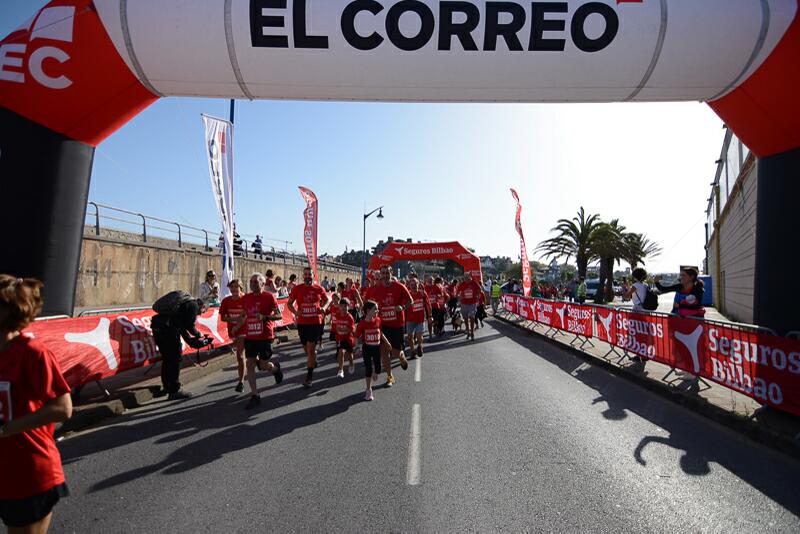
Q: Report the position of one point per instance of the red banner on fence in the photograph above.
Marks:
(761, 366)
(91, 348)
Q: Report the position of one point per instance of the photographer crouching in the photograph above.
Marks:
(176, 316)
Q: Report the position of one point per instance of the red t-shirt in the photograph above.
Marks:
(352, 295)
(307, 301)
(29, 378)
(469, 292)
(418, 307)
(436, 296)
(369, 332)
(234, 308)
(343, 326)
(387, 297)
(265, 304)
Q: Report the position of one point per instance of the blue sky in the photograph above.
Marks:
(442, 171)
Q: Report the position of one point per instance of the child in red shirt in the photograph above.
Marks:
(33, 397)
(232, 312)
(369, 331)
(343, 327)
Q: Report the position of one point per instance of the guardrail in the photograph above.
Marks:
(145, 225)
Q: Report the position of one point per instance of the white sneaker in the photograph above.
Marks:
(340, 374)
(351, 369)
(368, 395)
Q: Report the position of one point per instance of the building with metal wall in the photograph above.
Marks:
(731, 230)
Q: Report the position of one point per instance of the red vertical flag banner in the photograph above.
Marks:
(523, 251)
(310, 233)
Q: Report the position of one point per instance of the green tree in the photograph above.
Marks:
(607, 246)
(573, 239)
(638, 248)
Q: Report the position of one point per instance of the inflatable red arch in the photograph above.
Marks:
(78, 70)
(451, 250)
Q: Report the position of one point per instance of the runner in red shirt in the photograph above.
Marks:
(418, 314)
(343, 325)
(312, 303)
(469, 292)
(261, 308)
(33, 397)
(352, 294)
(231, 311)
(372, 339)
(392, 298)
(438, 298)
(428, 288)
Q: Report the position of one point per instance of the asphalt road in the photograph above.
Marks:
(504, 433)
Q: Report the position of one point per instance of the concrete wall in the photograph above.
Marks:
(115, 273)
(736, 231)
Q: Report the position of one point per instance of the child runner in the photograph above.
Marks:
(343, 325)
(417, 315)
(369, 331)
(33, 397)
(231, 311)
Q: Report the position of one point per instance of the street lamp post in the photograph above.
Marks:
(364, 245)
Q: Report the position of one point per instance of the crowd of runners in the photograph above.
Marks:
(383, 321)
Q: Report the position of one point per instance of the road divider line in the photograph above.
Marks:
(413, 469)
(418, 371)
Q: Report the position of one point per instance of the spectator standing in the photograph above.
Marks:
(269, 285)
(257, 246)
(34, 396)
(688, 293)
(292, 282)
(326, 285)
(237, 243)
(283, 290)
(209, 289)
(638, 291)
(572, 285)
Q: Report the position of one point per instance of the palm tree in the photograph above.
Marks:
(574, 238)
(638, 248)
(608, 246)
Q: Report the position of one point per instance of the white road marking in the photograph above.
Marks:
(413, 470)
(418, 371)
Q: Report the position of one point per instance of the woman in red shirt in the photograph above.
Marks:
(33, 397)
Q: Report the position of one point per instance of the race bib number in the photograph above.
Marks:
(5, 401)
(372, 338)
(389, 313)
(417, 306)
(467, 293)
(342, 329)
(255, 328)
(309, 310)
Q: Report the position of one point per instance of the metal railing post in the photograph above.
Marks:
(96, 219)
(144, 227)
(180, 243)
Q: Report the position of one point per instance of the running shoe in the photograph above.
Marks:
(419, 352)
(307, 384)
(368, 395)
(351, 369)
(278, 373)
(254, 401)
(239, 387)
(340, 374)
(179, 395)
(403, 361)
(390, 381)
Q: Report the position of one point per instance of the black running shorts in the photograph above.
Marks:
(310, 333)
(258, 348)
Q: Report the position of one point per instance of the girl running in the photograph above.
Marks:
(231, 311)
(369, 331)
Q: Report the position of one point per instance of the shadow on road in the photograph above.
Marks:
(700, 439)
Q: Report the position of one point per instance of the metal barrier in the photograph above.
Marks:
(145, 225)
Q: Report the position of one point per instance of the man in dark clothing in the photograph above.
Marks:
(167, 332)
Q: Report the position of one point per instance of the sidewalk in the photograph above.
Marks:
(766, 425)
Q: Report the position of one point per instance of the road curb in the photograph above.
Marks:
(746, 426)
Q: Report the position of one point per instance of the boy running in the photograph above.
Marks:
(343, 325)
(418, 314)
(231, 311)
